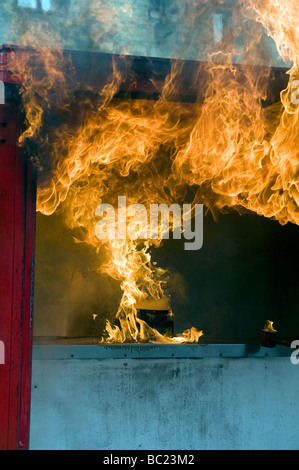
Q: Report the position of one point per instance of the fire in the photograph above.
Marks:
(235, 153)
(269, 327)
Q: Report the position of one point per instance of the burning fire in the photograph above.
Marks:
(228, 149)
(269, 327)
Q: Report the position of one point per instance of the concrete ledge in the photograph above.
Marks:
(146, 351)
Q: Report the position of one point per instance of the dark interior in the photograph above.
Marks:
(244, 275)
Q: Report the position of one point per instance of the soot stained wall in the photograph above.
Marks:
(185, 404)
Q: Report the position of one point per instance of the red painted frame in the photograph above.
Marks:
(17, 242)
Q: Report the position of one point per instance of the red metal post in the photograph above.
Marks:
(17, 241)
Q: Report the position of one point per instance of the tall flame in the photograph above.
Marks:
(231, 151)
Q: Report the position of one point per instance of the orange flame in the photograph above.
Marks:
(235, 153)
(269, 327)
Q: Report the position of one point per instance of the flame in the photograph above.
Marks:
(269, 327)
(233, 151)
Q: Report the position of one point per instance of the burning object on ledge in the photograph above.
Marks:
(152, 322)
(270, 337)
(157, 315)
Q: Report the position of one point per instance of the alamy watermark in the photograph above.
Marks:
(295, 93)
(135, 223)
(2, 353)
(294, 358)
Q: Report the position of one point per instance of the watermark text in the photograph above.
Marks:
(294, 358)
(295, 93)
(2, 353)
(134, 222)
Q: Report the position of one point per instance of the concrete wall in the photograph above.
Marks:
(159, 404)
